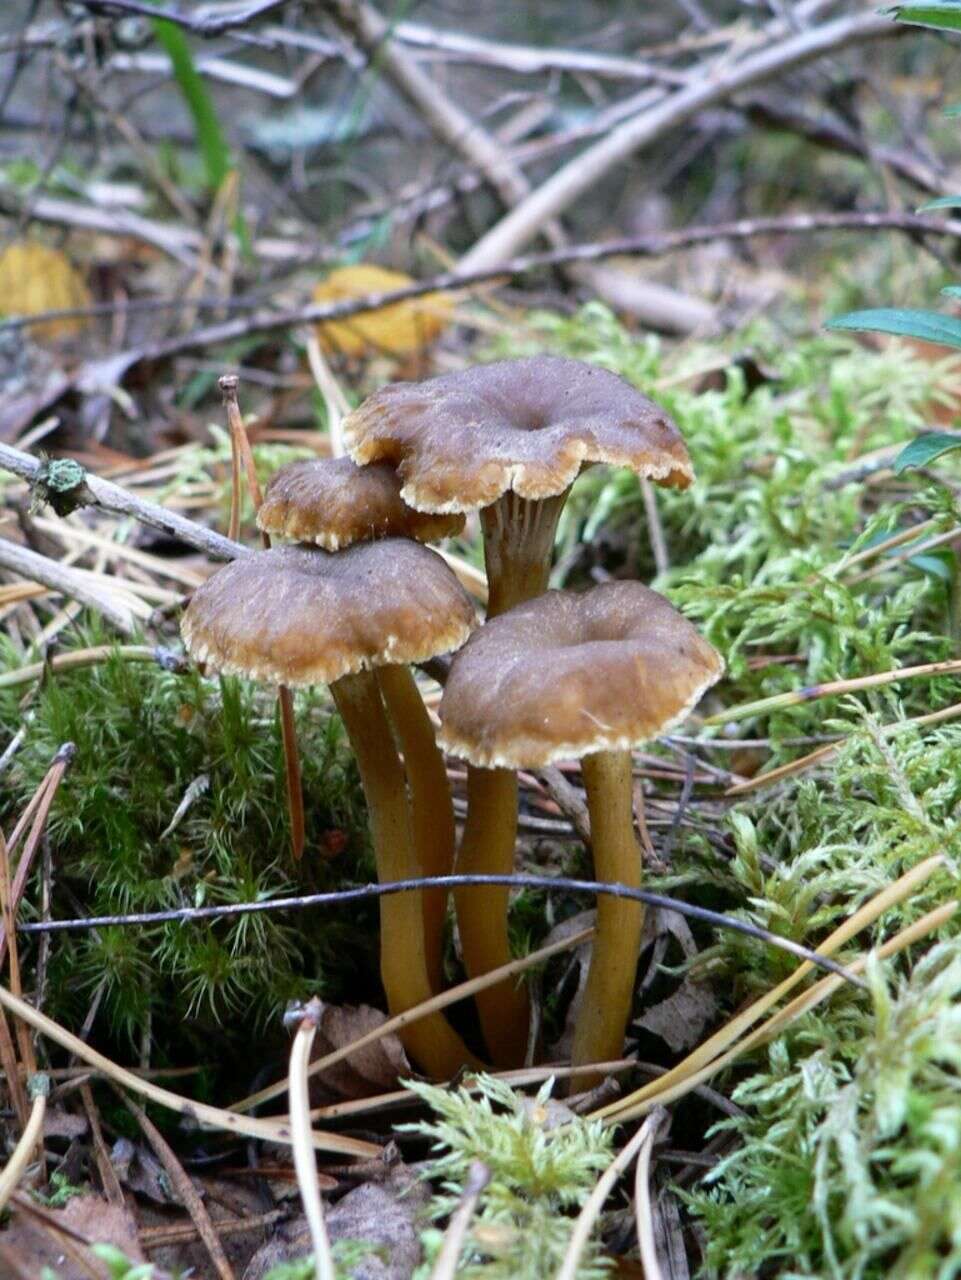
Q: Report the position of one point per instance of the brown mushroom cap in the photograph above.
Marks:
(567, 674)
(334, 503)
(295, 616)
(463, 439)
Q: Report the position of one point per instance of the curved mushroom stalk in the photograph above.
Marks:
(431, 805)
(431, 1041)
(607, 995)
(487, 848)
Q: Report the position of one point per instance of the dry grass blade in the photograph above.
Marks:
(887, 544)
(460, 992)
(16, 1166)
(721, 1040)
(230, 1121)
(643, 1208)
(825, 753)
(8, 912)
(445, 1267)
(518, 1077)
(895, 562)
(645, 1136)
(800, 1005)
(37, 811)
(184, 1188)
(951, 666)
(305, 1162)
(335, 402)
(114, 606)
(79, 658)
(241, 454)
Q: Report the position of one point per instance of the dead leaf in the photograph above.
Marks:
(373, 1069)
(681, 1019)
(58, 1123)
(35, 278)
(398, 330)
(35, 1246)
(385, 1215)
(139, 1170)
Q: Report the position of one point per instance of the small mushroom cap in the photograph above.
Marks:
(463, 439)
(297, 616)
(568, 674)
(334, 503)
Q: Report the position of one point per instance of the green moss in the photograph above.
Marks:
(846, 1160)
(146, 739)
(542, 1169)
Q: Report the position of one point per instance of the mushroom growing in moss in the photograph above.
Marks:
(583, 676)
(508, 439)
(297, 616)
(334, 503)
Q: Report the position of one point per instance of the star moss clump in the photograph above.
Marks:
(176, 797)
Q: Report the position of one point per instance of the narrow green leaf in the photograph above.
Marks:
(943, 202)
(933, 565)
(210, 136)
(945, 15)
(952, 291)
(929, 326)
(924, 449)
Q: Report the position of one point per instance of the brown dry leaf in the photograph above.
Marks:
(374, 1069)
(398, 330)
(35, 1246)
(682, 1018)
(139, 1170)
(58, 1123)
(383, 1214)
(35, 278)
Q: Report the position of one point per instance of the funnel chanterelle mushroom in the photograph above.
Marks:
(302, 617)
(584, 676)
(509, 439)
(334, 503)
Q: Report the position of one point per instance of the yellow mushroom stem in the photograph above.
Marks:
(607, 996)
(518, 542)
(431, 805)
(487, 848)
(431, 1041)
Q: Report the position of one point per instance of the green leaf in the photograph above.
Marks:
(929, 326)
(933, 565)
(945, 15)
(943, 202)
(952, 291)
(924, 449)
(210, 136)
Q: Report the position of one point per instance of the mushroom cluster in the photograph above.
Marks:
(550, 675)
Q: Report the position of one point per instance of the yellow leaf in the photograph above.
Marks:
(399, 329)
(35, 278)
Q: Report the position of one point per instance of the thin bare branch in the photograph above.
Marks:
(359, 892)
(583, 173)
